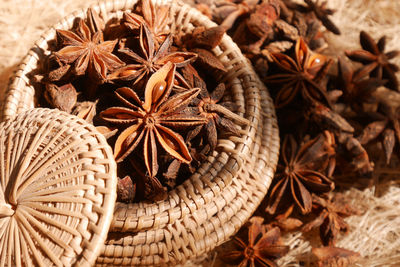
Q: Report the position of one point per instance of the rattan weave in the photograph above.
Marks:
(57, 190)
(212, 204)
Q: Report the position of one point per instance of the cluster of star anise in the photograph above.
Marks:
(151, 92)
(336, 115)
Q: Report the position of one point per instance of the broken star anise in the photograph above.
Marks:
(300, 75)
(301, 172)
(335, 257)
(216, 115)
(261, 247)
(150, 58)
(330, 218)
(375, 60)
(152, 120)
(89, 52)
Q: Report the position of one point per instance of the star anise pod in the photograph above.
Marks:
(261, 247)
(301, 172)
(375, 60)
(330, 218)
(154, 17)
(300, 75)
(385, 128)
(152, 120)
(150, 59)
(216, 115)
(227, 12)
(61, 97)
(319, 8)
(89, 52)
(356, 88)
(335, 257)
(126, 189)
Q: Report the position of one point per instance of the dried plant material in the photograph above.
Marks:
(94, 22)
(216, 115)
(61, 97)
(300, 76)
(151, 120)
(126, 189)
(208, 60)
(85, 110)
(301, 172)
(330, 213)
(150, 59)
(153, 17)
(357, 89)
(259, 249)
(335, 257)
(329, 119)
(204, 38)
(228, 12)
(322, 13)
(89, 53)
(375, 60)
(275, 47)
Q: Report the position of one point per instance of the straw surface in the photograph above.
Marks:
(57, 190)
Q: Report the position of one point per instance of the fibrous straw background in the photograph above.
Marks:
(375, 234)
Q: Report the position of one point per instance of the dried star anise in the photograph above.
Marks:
(152, 120)
(375, 60)
(89, 52)
(301, 172)
(61, 97)
(330, 218)
(335, 257)
(356, 88)
(216, 115)
(300, 75)
(322, 12)
(150, 58)
(154, 17)
(261, 247)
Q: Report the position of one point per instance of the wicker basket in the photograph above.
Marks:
(211, 205)
(57, 190)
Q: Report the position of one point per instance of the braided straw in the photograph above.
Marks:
(221, 195)
(57, 190)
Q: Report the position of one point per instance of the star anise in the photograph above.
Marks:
(300, 75)
(322, 12)
(151, 120)
(261, 247)
(330, 218)
(356, 88)
(89, 52)
(150, 59)
(301, 172)
(216, 115)
(227, 12)
(154, 17)
(375, 60)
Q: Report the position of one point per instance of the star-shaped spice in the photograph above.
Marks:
(300, 75)
(216, 114)
(260, 248)
(151, 121)
(89, 53)
(301, 172)
(357, 89)
(154, 17)
(149, 58)
(330, 218)
(375, 60)
(322, 13)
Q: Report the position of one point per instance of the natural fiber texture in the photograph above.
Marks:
(376, 233)
(57, 190)
(220, 196)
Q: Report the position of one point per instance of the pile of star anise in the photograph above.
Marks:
(146, 90)
(336, 114)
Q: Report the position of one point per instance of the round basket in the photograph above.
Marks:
(219, 197)
(57, 190)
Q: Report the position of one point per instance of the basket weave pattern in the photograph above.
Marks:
(57, 190)
(213, 204)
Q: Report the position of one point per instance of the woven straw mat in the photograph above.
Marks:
(57, 190)
(220, 196)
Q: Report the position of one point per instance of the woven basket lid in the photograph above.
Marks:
(57, 190)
